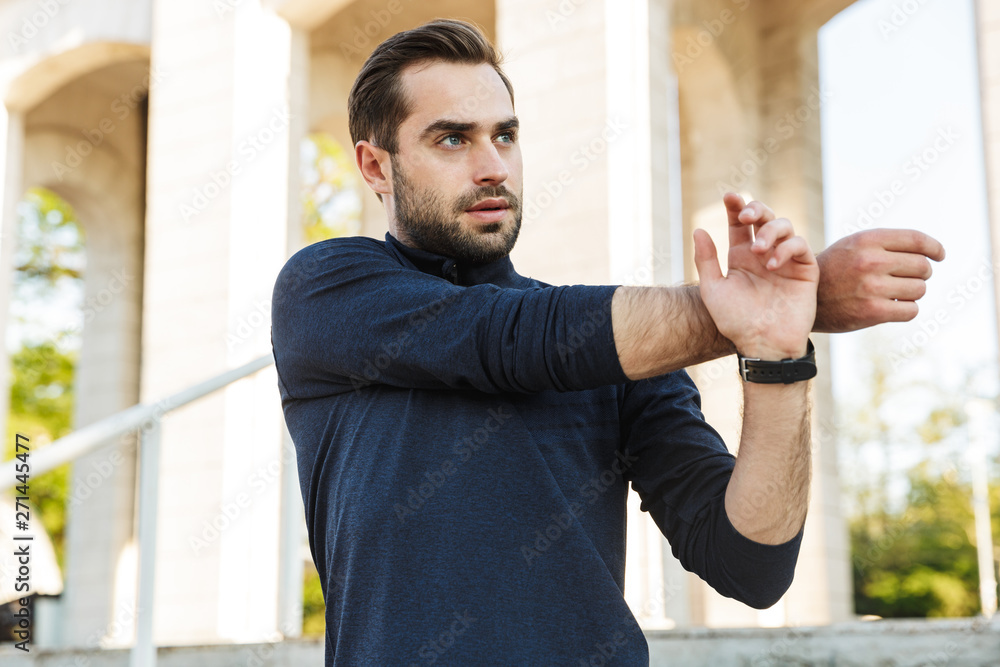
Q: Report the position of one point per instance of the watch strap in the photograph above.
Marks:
(785, 371)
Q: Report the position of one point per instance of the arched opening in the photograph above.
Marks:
(85, 143)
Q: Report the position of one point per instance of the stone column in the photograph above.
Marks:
(221, 152)
(791, 104)
(713, 54)
(556, 58)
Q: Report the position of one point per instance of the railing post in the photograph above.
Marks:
(144, 651)
(290, 559)
(980, 412)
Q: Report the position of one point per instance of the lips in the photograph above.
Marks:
(490, 205)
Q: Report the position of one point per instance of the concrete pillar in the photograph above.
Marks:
(644, 246)
(221, 150)
(791, 105)
(712, 49)
(565, 133)
(293, 525)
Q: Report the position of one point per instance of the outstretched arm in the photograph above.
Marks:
(868, 278)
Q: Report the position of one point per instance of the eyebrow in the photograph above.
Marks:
(444, 125)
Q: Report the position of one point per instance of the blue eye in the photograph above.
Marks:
(447, 140)
(510, 137)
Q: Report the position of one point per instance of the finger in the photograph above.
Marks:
(794, 249)
(771, 234)
(756, 213)
(910, 240)
(706, 258)
(910, 265)
(898, 311)
(739, 233)
(903, 289)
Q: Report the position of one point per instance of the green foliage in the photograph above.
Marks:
(50, 240)
(330, 202)
(939, 423)
(49, 256)
(912, 525)
(313, 606)
(920, 562)
(41, 407)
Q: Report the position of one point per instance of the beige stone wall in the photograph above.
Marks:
(557, 63)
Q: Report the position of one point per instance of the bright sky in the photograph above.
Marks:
(905, 111)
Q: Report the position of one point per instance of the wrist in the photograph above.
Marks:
(765, 351)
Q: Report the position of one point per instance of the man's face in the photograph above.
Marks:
(456, 178)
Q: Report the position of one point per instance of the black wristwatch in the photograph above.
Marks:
(785, 371)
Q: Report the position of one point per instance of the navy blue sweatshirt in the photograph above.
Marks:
(465, 437)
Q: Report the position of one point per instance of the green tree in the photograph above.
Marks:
(313, 607)
(41, 408)
(49, 260)
(330, 201)
(911, 524)
(50, 242)
(920, 562)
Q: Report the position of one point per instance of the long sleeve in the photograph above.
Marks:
(346, 314)
(681, 473)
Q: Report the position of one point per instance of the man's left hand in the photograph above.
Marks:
(868, 278)
(766, 304)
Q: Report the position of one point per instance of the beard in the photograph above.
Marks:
(432, 225)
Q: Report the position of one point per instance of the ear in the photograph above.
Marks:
(375, 167)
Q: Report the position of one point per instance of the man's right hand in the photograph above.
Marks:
(873, 277)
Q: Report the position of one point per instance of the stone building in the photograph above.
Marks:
(175, 129)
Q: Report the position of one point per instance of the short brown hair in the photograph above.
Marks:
(377, 105)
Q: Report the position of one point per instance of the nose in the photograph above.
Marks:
(490, 168)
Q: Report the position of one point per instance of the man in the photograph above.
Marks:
(465, 435)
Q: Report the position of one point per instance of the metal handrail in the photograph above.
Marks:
(93, 437)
